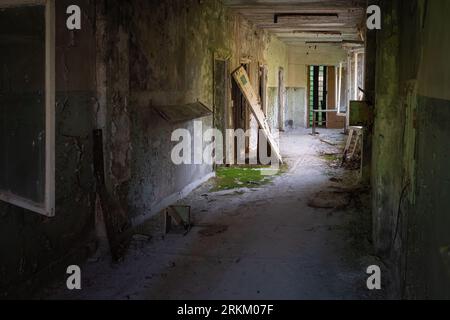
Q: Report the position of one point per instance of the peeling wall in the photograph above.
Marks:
(276, 58)
(176, 43)
(128, 57)
(165, 51)
(296, 108)
(410, 147)
(272, 109)
(300, 57)
(429, 247)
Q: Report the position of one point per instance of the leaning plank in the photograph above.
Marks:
(114, 216)
(243, 81)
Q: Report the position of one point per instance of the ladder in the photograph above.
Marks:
(355, 139)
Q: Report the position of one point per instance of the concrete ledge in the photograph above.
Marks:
(164, 203)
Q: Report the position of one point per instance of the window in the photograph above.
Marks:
(27, 104)
(341, 88)
(359, 77)
(318, 79)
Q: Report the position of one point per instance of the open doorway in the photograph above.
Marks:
(240, 113)
(239, 104)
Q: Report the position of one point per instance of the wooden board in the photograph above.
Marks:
(115, 218)
(182, 113)
(243, 81)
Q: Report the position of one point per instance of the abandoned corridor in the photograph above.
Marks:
(95, 93)
(260, 243)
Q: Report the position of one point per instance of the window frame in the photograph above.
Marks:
(48, 207)
(339, 90)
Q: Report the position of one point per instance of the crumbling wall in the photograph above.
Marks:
(410, 154)
(277, 58)
(429, 247)
(296, 108)
(171, 64)
(301, 56)
(388, 131)
(128, 57)
(272, 107)
(173, 45)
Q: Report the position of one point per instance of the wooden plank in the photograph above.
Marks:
(115, 218)
(349, 143)
(357, 142)
(182, 113)
(181, 215)
(243, 81)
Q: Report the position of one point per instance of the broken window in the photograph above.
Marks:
(27, 104)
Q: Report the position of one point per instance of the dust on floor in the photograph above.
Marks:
(270, 242)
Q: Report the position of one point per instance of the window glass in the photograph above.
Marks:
(22, 102)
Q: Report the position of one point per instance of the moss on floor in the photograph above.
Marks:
(329, 157)
(229, 178)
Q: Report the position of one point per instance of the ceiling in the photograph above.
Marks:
(312, 21)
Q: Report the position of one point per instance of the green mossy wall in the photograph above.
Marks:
(410, 147)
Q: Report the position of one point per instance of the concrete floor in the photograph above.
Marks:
(263, 243)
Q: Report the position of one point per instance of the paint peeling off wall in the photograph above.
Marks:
(272, 107)
(176, 43)
(276, 58)
(129, 57)
(296, 108)
(410, 207)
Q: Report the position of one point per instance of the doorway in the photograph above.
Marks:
(240, 114)
(239, 104)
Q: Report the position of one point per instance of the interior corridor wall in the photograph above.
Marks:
(276, 57)
(410, 190)
(174, 45)
(299, 58)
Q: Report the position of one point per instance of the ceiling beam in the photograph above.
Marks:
(305, 20)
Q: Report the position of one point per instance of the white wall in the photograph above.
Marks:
(299, 57)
